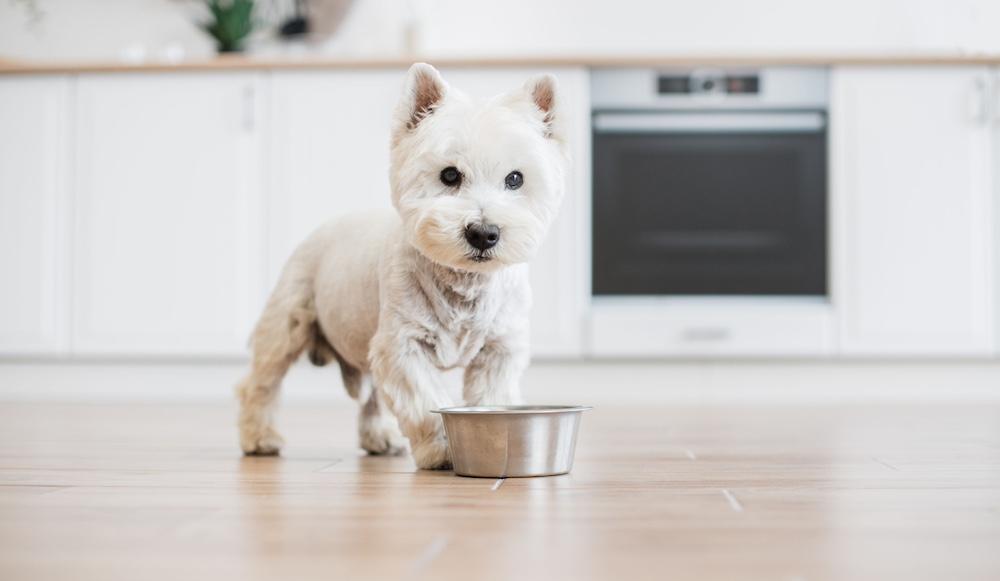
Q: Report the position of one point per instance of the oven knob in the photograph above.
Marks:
(707, 85)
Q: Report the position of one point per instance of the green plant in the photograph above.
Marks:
(232, 22)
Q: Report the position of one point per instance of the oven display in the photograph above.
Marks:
(727, 84)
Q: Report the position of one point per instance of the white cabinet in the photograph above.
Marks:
(912, 211)
(329, 153)
(330, 156)
(149, 214)
(694, 327)
(168, 246)
(34, 209)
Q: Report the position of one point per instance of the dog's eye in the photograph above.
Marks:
(514, 180)
(451, 177)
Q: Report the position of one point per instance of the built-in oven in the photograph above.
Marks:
(708, 183)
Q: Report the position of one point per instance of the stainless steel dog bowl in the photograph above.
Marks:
(512, 441)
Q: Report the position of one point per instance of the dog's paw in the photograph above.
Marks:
(265, 442)
(432, 455)
(383, 438)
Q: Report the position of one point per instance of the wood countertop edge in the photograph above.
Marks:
(243, 63)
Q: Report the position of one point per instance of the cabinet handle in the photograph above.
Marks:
(979, 103)
(249, 108)
(993, 93)
(704, 334)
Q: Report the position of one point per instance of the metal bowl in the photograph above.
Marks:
(512, 440)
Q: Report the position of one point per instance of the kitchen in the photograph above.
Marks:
(767, 212)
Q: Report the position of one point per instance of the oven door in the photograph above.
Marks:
(710, 203)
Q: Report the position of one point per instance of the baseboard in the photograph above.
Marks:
(793, 382)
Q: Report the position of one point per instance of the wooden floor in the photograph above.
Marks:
(159, 492)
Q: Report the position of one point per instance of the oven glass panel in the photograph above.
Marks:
(740, 213)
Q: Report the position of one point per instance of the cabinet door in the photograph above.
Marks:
(331, 155)
(167, 215)
(911, 183)
(330, 151)
(34, 213)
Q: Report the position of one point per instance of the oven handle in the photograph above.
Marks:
(696, 122)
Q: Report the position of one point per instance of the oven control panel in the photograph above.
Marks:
(709, 83)
(737, 88)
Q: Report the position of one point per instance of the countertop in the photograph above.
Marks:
(252, 62)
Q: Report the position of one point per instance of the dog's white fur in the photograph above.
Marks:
(397, 298)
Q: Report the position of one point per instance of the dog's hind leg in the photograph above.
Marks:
(285, 329)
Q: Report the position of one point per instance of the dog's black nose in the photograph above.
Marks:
(482, 236)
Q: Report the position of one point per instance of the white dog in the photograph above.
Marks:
(397, 298)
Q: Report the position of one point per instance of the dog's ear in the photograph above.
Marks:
(423, 92)
(543, 92)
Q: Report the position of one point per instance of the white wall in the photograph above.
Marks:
(634, 26)
(105, 29)
(96, 29)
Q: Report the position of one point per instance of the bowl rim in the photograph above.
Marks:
(510, 409)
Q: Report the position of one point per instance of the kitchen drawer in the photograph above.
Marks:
(706, 327)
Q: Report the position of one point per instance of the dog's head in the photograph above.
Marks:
(476, 183)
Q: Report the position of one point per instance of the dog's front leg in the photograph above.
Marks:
(412, 385)
(494, 375)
